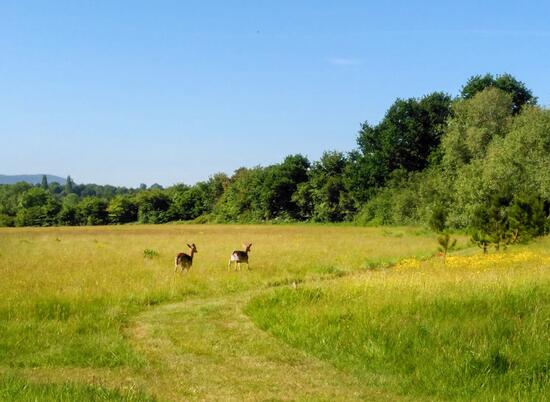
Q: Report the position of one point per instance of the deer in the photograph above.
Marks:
(239, 256)
(185, 261)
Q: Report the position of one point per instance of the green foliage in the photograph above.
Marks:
(188, 203)
(481, 240)
(122, 209)
(492, 178)
(68, 185)
(476, 121)
(519, 93)
(68, 216)
(153, 206)
(492, 220)
(433, 161)
(402, 201)
(6, 220)
(405, 138)
(526, 218)
(269, 193)
(37, 207)
(215, 187)
(519, 162)
(280, 184)
(446, 244)
(326, 192)
(505, 220)
(242, 201)
(93, 211)
(438, 220)
(44, 183)
(150, 254)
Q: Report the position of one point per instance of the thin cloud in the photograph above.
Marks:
(344, 61)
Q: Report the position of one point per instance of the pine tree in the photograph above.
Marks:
(69, 185)
(44, 183)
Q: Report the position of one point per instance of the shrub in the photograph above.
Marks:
(150, 254)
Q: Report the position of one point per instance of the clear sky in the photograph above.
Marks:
(129, 92)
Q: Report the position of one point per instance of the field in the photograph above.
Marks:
(324, 313)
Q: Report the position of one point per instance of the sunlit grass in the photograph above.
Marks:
(17, 390)
(474, 328)
(103, 262)
(68, 294)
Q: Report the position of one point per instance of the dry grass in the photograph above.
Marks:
(95, 262)
(87, 315)
(79, 304)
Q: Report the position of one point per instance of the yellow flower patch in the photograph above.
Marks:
(480, 262)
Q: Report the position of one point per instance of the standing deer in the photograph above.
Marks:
(239, 256)
(185, 260)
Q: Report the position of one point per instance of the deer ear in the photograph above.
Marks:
(188, 245)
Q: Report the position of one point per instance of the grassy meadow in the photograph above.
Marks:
(323, 314)
(475, 329)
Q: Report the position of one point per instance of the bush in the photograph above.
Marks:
(6, 220)
(149, 253)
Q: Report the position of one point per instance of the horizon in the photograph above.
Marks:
(124, 94)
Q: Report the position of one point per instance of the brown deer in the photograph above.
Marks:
(239, 256)
(185, 260)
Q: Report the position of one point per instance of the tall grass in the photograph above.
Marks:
(477, 328)
(14, 389)
(69, 293)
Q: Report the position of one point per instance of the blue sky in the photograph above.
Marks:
(130, 92)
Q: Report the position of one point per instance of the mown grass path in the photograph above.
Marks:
(208, 349)
(125, 322)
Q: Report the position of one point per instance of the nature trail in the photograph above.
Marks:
(208, 349)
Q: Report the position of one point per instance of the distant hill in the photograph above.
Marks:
(30, 178)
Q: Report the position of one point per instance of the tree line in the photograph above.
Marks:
(475, 161)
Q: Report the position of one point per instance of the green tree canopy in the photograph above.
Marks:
(69, 183)
(122, 209)
(153, 206)
(405, 139)
(93, 211)
(37, 207)
(476, 121)
(324, 197)
(44, 183)
(519, 92)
